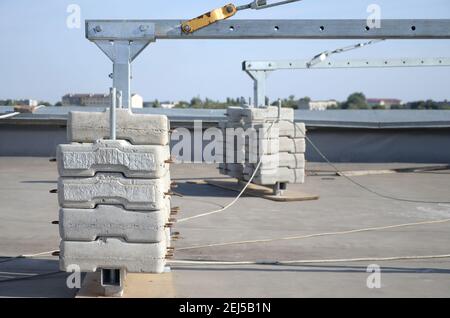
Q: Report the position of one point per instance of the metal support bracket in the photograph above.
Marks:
(112, 281)
(122, 42)
(259, 86)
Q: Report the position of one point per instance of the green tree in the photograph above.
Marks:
(355, 101)
(44, 103)
(196, 102)
(182, 104)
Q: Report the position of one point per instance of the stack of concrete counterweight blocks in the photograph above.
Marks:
(280, 145)
(115, 194)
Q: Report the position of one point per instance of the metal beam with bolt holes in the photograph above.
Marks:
(353, 63)
(266, 29)
(259, 70)
(123, 40)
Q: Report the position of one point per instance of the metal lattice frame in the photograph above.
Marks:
(259, 70)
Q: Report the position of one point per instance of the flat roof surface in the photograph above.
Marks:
(28, 208)
(328, 118)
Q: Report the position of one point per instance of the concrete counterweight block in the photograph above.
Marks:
(112, 221)
(292, 161)
(292, 145)
(139, 129)
(230, 156)
(237, 132)
(233, 170)
(252, 115)
(282, 159)
(132, 194)
(291, 130)
(85, 160)
(268, 162)
(271, 177)
(113, 253)
(257, 146)
(234, 114)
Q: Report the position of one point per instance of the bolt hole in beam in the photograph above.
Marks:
(413, 28)
(322, 28)
(276, 28)
(231, 28)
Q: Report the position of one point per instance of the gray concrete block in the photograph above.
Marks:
(139, 129)
(113, 253)
(282, 174)
(257, 130)
(267, 171)
(168, 233)
(134, 161)
(232, 156)
(233, 170)
(132, 194)
(292, 145)
(268, 162)
(288, 129)
(262, 146)
(112, 221)
(249, 115)
(234, 113)
(223, 171)
(237, 167)
(292, 161)
(291, 175)
(266, 114)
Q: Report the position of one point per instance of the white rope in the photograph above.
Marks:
(313, 235)
(318, 261)
(26, 256)
(9, 115)
(239, 195)
(38, 254)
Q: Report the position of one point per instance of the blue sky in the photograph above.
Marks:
(41, 58)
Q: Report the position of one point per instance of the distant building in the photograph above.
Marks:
(317, 105)
(385, 102)
(97, 100)
(157, 104)
(168, 105)
(27, 102)
(137, 101)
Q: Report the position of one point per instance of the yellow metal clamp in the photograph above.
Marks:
(209, 18)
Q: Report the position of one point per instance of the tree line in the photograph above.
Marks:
(354, 101)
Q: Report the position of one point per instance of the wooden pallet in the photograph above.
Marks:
(255, 190)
